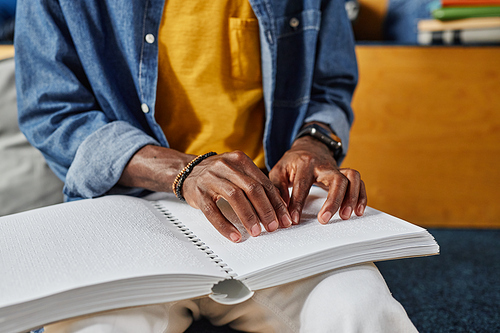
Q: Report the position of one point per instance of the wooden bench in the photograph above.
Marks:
(427, 132)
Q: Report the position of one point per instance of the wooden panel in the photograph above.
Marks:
(6, 51)
(427, 133)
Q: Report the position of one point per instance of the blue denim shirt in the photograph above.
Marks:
(86, 76)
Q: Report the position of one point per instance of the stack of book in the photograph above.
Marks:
(462, 22)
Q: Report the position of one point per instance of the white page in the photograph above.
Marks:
(52, 249)
(309, 236)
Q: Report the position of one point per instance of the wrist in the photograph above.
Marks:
(154, 168)
(307, 143)
(323, 135)
(182, 175)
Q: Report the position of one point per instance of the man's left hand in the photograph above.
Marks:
(309, 162)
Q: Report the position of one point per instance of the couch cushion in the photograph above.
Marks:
(26, 181)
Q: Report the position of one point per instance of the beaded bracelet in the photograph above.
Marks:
(181, 177)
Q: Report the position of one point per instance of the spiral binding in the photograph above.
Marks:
(194, 239)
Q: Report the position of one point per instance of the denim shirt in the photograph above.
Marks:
(86, 75)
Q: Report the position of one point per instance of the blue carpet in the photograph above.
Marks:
(457, 291)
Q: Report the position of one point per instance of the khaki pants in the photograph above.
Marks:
(352, 299)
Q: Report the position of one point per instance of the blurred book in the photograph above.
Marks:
(469, 23)
(448, 3)
(455, 13)
(488, 36)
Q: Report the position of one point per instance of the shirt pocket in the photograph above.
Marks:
(245, 49)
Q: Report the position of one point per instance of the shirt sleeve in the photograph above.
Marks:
(335, 74)
(84, 142)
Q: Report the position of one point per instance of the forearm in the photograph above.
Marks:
(154, 168)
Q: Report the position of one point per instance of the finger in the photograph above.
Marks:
(279, 205)
(215, 217)
(246, 195)
(280, 182)
(336, 191)
(351, 196)
(263, 198)
(280, 179)
(362, 200)
(235, 195)
(272, 194)
(216, 187)
(302, 182)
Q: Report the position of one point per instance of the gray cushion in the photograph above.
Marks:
(26, 181)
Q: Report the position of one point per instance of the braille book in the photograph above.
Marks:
(113, 252)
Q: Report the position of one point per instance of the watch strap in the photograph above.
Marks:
(329, 138)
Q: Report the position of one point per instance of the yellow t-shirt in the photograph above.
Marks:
(209, 94)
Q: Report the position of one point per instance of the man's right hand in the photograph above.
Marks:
(232, 176)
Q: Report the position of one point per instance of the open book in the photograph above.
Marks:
(93, 255)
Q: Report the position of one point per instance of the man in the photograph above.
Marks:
(128, 97)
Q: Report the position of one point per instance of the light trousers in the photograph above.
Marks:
(351, 299)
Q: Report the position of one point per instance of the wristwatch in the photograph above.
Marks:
(329, 138)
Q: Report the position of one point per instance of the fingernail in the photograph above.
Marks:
(286, 221)
(272, 226)
(256, 230)
(295, 217)
(361, 210)
(347, 212)
(234, 237)
(326, 217)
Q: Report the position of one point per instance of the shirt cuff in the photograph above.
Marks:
(101, 158)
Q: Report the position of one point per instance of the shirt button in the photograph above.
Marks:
(150, 38)
(144, 108)
(294, 22)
